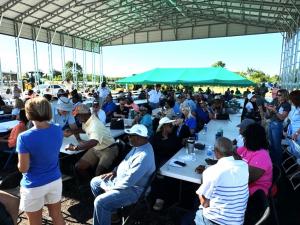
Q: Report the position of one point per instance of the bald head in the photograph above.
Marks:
(223, 147)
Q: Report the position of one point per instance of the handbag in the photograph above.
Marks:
(117, 124)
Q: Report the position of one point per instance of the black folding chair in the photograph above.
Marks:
(273, 191)
(11, 152)
(258, 209)
(142, 199)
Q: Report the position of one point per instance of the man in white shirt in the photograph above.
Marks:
(103, 91)
(224, 191)
(99, 112)
(154, 97)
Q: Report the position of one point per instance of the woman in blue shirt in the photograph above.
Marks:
(189, 119)
(144, 117)
(39, 162)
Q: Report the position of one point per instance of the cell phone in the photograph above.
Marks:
(180, 163)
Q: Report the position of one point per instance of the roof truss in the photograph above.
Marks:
(111, 22)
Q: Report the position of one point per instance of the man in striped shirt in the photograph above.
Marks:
(224, 191)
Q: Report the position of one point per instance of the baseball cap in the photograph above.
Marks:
(64, 104)
(163, 121)
(81, 109)
(137, 129)
(245, 123)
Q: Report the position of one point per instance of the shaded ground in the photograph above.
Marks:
(77, 208)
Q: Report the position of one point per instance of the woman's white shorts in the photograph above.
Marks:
(33, 199)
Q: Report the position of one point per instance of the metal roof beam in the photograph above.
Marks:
(8, 5)
(33, 9)
(112, 19)
(82, 12)
(56, 13)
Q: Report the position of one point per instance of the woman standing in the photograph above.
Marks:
(38, 161)
(277, 113)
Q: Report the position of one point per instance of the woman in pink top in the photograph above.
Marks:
(255, 153)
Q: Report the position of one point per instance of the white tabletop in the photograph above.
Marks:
(72, 140)
(187, 173)
(6, 126)
(229, 127)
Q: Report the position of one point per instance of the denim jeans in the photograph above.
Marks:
(275, 136)
(107, 202)
(201, 220)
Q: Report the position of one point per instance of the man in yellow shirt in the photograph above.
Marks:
(101, 149)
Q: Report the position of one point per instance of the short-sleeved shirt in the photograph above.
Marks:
(103, 92)
(260, 159)
(294, 126)
(109, 107)
(12, 139)
(124, 112)
(146, 120)
(154, 96)
(96, 130)
(102, 116)
(280, 108)
(43, 146)
(191, 122)
(225, 184)
(63, 120)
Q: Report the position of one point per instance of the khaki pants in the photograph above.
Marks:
(101, 158)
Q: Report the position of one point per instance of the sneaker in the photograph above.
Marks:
(159, 204)
(115, 218)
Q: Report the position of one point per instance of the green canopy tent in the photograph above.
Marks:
(217, 76)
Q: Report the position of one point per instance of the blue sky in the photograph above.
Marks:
(260, 52)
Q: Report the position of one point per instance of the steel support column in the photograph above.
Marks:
(74, 67)
(63, 59)
(290, 61)
(101, 63)
(84, 64)
(35, 56)
(50, 57)
(18, 54)
(93, 66)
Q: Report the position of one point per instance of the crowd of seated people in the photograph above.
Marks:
(180, 116)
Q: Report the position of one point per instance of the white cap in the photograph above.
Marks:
(64, 104)
(249, 96)
(138, 129)
(163, 121)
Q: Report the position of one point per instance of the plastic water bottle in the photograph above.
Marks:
(205, 129)
(209, 152)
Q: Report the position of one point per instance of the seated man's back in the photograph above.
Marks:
(224, 192)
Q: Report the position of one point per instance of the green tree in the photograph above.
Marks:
(69, 71)
(219, 64)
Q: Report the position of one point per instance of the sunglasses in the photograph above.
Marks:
(279, 95)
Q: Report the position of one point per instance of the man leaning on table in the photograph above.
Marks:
(224, 191)
(124, 185)
(101, 148)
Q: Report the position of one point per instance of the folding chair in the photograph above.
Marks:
(258, 209)
(294, 178)
(142, 198)
(292, 152)
(273, 191)
(11, 152)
